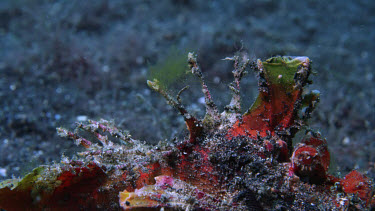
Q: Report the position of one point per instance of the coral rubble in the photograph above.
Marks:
(229, 161)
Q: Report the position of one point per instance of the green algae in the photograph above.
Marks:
(280, 71)
(30, 179)
(171, 69)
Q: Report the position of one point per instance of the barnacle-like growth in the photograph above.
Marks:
(230, 161)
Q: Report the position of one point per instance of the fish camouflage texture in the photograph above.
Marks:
(229, 161)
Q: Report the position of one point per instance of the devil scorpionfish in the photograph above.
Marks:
(229, 161)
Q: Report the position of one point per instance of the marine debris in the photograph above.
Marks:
(230, 161)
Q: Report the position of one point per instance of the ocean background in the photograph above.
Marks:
(71, 60)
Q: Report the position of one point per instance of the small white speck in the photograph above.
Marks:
(81, 118)
(3, 172)
(346, 141)
(201, 100)
(57, 116)
(13, 87)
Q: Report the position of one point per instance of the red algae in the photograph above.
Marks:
(356, 183)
